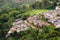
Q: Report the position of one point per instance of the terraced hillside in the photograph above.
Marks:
(51, 18)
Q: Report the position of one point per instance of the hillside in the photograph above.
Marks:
(33, 21)
(37, 21)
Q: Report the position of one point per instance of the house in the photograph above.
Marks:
(57, 7)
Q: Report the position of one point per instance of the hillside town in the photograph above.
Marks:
(53, 16)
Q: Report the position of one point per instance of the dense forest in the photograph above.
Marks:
(14, 9)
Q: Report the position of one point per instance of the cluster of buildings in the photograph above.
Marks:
(18, 25)
(53, 16)
(36, 20)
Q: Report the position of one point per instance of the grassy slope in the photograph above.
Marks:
(32, 12)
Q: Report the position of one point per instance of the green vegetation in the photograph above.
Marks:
(33, 12)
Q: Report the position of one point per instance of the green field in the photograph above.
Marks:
(34, 11)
